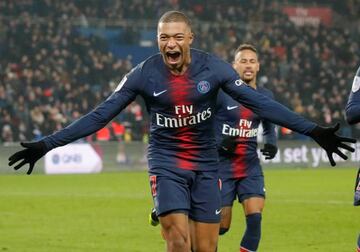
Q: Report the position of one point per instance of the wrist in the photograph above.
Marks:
(316, 131)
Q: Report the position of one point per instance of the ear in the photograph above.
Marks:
(191, 38)
(235, 65)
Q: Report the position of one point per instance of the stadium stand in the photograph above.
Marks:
(69, 55)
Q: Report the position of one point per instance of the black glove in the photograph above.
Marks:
(330, 142)
(228, 144)
(269, 151)
(33, 152)
(357, 189)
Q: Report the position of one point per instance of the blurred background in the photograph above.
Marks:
(59, 59)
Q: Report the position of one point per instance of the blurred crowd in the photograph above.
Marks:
(50, 74)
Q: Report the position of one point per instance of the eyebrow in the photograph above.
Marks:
(176, 34)
(246, 59)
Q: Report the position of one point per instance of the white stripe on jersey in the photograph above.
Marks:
(356, 84)
(121, 84)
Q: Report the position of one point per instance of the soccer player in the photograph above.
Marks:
(352, 112)
(240, 170)
(236, 129)
(179, 86)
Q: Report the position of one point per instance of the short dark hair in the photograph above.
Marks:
(243, 47)
(175, 16)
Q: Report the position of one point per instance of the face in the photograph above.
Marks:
(247, 65)
(174, 40)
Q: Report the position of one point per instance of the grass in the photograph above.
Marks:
(306, 210)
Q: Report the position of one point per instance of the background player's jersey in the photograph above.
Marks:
(181, 110)
(352, 109)
(235, 120)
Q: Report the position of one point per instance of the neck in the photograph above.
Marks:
(179, 71)
(252, 83)
(183, 68)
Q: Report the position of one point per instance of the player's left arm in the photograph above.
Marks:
(261, 105)
(352, 109)
(278, 114)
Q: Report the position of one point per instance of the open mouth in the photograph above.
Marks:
(173, 57)
(248, 73)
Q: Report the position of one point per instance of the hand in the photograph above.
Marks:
(33, 152)
(228, 144)
(357, 189)
(269, 151)
(330, 142)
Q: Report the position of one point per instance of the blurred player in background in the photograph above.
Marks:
(180, 86)
(352, 111)
(240, 170)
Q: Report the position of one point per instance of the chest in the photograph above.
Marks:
(170, 90)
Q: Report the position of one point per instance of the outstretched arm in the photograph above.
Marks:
(266, 108)
(86, 125)
(278, 114)
(93, 121)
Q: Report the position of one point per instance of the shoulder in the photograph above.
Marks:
(142, 70)
(223, 99)
(150, 63)
(222, 70)
(221, 96)
(266, 92)
(199, 55)
(209, 59)
(146, 68)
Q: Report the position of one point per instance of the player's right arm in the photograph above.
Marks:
(88, 124)
(352, 109)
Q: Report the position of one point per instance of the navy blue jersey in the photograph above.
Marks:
(181, 110)
(352, 109)
(235, 120)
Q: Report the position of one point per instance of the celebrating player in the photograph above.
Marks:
(240, 170)
(179, 87)
(352, 111)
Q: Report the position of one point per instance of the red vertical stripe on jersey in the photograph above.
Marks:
(242, 249)
(239, 162)
(180, 90)
(220, 184)
(153, 185)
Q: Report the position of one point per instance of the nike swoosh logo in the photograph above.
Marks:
(231, 107)
(217, 211)
(159, 93)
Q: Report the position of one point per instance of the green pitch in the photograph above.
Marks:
(306, 210)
